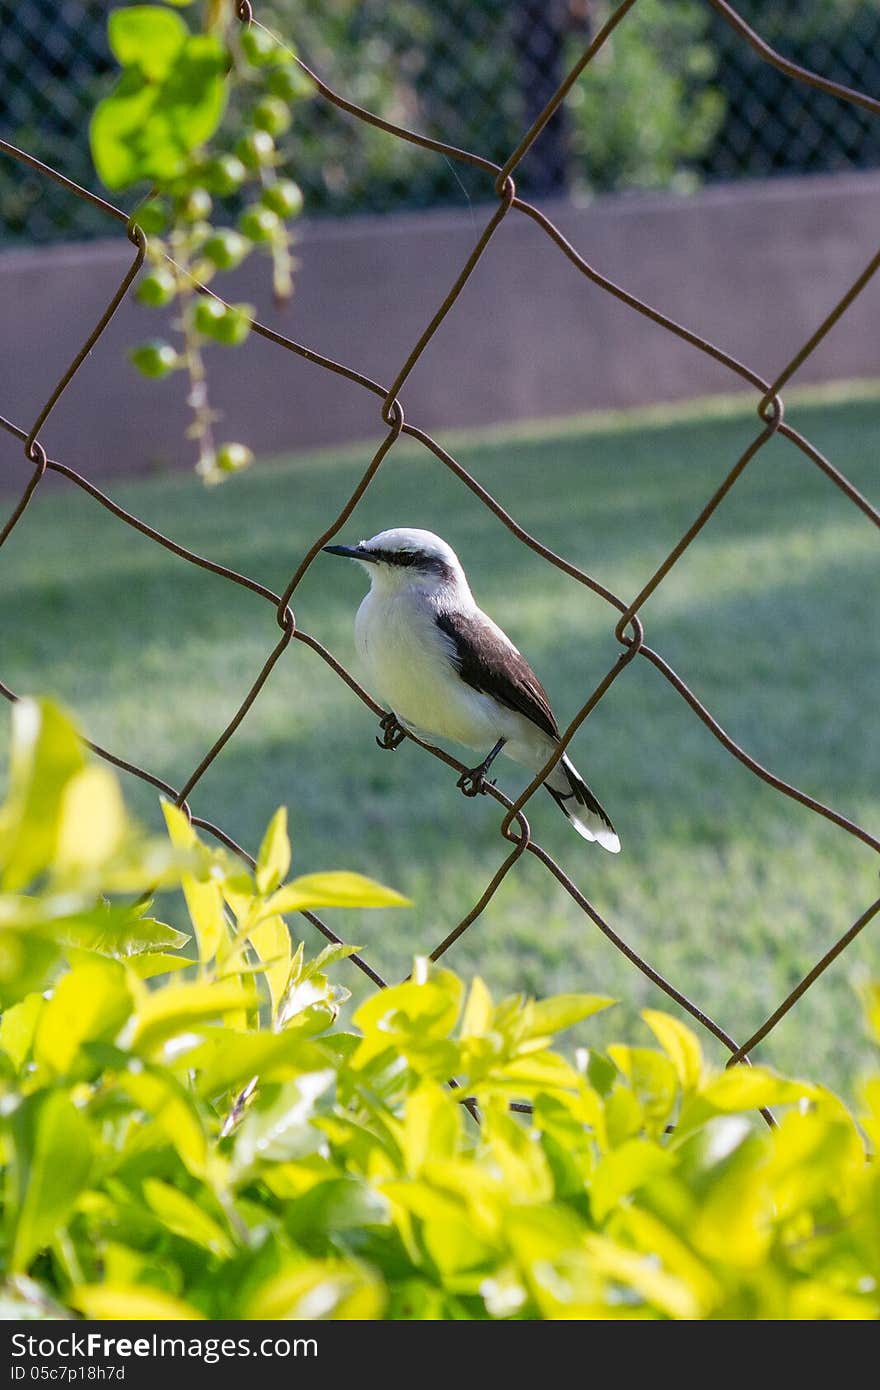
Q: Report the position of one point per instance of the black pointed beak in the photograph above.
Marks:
(351, 552)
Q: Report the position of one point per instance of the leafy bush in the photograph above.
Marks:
(188, 1131)
(645, 113)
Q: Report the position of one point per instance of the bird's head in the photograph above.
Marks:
(405, 557)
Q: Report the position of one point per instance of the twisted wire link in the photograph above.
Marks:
(628, 629)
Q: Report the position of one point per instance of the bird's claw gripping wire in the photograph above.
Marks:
(473, 782)
(393, 732)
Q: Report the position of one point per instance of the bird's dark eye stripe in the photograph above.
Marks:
(400, 557)
(416, 559)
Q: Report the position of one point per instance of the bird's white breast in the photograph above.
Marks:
(408, 662)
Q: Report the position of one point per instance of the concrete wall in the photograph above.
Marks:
(754, 266)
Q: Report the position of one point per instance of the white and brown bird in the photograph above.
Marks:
(447, 671)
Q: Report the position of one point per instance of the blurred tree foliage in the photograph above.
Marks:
(676, 96)
(646, 110)
(468, 74)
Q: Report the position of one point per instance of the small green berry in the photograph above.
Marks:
(157, 288)
(259, 223)
(152, 218)
(272, 115)
(228, 324)
(226, 248)
(226, 174)
(283, 197)
(289, 83)
(232, 458)
(195, 206)
(155, 359)
(255, 149)
(260, 48)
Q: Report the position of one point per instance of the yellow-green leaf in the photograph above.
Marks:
(229, 1060)
(549, 1016)
(653, 1079)
(519, 1155)
(271, 941)
(477, 1017)
(748, 1088)
(320, 1289)
(92, 821)
(204, 898)
(624, 1171)
(53, 1158)
(46, 753)
(185, 1218)
(17, 1028)
(335, 889)
(681, 1046)
(127, 1303)
(432, 1126)
(273, 860)
(640, 1272)
(180, 1007)
(171, 1110)
(147, 966)
(90, 1003)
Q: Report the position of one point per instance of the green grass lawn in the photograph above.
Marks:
(727, 887)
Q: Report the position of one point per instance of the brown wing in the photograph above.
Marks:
(487, 662)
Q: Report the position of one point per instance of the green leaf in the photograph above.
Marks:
(120, 1302)
(17, 1028)
(748, 1088)
(477, 1017)
(639, 1272)
(53, 1159)
(89, 1004)
(326, 1289)
(327, 956)
(149, 965)
(519, 1155)
(271, 941)
(335, 889)
(185, 1218)
(549, 1016)
(681, 1046)
(534, 1072)
(46, 753)
(157, 115)
(339, 1204)
(273, 860)
(432, 1126)
(417, 1014)
(120, 932)
(734, 1221)
(178, 1008)
(27, 964)
(204, 898)
(147, 37)
(229, 1060)
(92, 822)
(652, 1078)
(171, 1110)
(623, 1171)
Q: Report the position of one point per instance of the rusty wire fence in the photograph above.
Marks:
(628, 627)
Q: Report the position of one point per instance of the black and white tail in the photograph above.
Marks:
(579, 805)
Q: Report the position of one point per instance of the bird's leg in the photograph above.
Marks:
(473, 782)
(393, 732)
